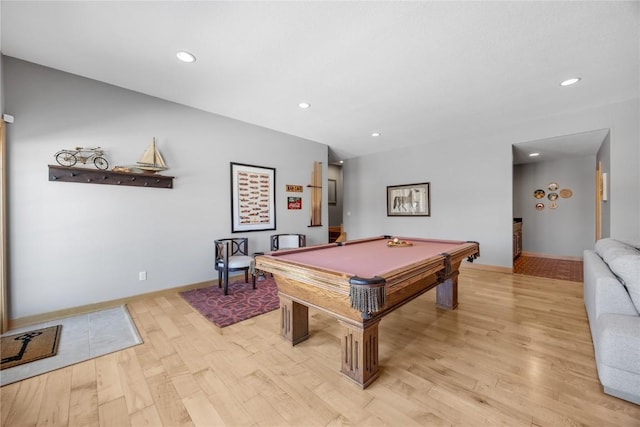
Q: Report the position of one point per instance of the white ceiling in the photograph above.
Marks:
(417, 72)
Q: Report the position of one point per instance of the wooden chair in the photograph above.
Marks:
(232, 255)
(288, 241)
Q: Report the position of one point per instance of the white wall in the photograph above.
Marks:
(568, 229)
(76, 244)
(471, 181)
(466, 201)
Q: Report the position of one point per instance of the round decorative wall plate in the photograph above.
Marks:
(553, 205)
(552, 196)
(566, 193)
(539, 206)
(538, 194)
(553, 186)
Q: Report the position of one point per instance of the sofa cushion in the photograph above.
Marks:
(627, 268)
(610, 249)
(603, 244)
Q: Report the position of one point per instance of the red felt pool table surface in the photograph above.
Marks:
(369, 257)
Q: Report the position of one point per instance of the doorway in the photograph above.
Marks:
(553, 188)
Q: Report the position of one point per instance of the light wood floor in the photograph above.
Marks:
(516, 352)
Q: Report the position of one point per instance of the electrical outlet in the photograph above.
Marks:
(142, 275)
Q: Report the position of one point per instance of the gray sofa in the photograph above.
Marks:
(612, 301)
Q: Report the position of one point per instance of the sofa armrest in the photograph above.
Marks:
(603, 292)
(618, 342)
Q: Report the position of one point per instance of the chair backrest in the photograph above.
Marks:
(229, 247)
(288, 241)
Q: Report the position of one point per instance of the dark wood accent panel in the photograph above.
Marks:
(95, 176)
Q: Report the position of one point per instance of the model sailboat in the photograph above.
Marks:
(151, 159)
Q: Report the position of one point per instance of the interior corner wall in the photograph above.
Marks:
(471, 181)
(604, 157)
(567, 229)
(73, 244)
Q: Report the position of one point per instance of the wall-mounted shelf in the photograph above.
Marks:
(95, 176)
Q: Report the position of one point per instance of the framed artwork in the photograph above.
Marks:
(409, 200)
(253, 199)
(294, 203)
(333, 198)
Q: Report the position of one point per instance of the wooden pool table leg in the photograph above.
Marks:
(360, 352)
(294, 320)
(447, 292)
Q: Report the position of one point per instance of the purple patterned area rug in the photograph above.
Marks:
(241, 303)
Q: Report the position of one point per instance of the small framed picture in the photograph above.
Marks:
(409, 199)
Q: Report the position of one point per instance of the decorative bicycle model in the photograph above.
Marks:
(95, 155)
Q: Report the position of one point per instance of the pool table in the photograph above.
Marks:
(359, 282)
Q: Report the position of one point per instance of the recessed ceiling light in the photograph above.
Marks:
(185, 57)
(304, 105)
(341, 161)
(534, 154)
(374, 134)
(571, 81)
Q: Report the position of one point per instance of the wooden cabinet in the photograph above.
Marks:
(517, 239)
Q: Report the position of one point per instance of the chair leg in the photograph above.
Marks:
(219, 278)
(226, 281)
(246, 276)
(253, 280)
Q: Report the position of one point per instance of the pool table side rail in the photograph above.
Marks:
(329, 280)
